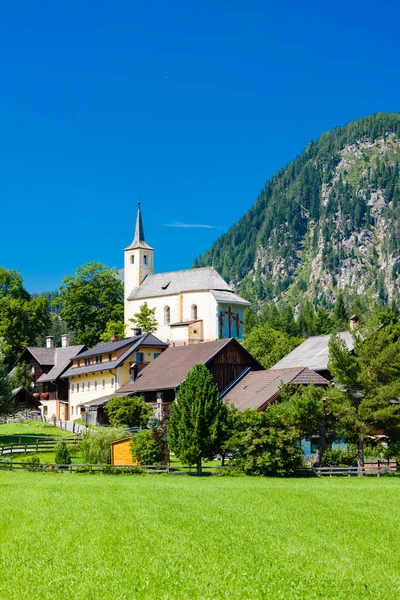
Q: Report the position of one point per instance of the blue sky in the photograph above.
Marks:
(193, 105)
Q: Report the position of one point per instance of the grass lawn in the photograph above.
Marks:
(10, 432)
(128, 537)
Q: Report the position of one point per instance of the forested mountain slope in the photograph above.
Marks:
(330, 220)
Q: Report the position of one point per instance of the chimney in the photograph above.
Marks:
(353, 322)
(64, 340)
(49, 341)
(137, 331)
(114, 337)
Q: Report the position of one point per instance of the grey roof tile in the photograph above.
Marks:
(174, 282)
(62, 359)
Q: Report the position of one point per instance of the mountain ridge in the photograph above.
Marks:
(327, 222)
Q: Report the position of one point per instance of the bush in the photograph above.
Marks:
(125, 411)
(33, 461)
(338, 457)
(147, 447)
(96, 445)
(267, 445)
(62, 454)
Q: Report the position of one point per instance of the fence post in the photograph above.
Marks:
(37, 445)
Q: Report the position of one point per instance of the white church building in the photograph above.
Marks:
(194, 305)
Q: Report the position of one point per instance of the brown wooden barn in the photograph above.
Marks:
(159, 382)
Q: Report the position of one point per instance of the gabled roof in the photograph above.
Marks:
(169, 369)
(257, 389)
(175, 282)
(62, 360)
(132, 345)
(44, 356)
(313, 353)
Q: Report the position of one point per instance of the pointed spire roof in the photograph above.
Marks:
(138, 240)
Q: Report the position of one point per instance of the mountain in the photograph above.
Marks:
(329, 221)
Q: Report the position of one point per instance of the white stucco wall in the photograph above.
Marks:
(180, 310)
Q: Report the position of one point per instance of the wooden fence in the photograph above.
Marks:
(40, 445)
(85, 468)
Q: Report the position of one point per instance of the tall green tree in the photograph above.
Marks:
(341, 315)
(21, 376)
(113, 328)
(22, 318)
(268, 346)
(369, 382)
(195, 427)
(89, 299)
(145, 319)
(5, 387)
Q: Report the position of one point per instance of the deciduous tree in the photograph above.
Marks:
(145, 319)
(89, 300)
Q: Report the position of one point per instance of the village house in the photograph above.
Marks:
(47, 368)
(313, 353)
(159, 382)
(103, 369)
(191, 306)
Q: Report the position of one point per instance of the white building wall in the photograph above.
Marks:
(180, 310)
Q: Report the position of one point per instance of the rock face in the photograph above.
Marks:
(329, 221)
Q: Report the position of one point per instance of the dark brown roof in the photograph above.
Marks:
(168, 370)
(259, 388)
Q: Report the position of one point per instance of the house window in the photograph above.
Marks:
(77, 387)
(79, 362)
(45, 410)
(72, 410)
(88, 386)
(72, 387)
(139, 357)
(109, 357)
(33, 369)
(95, 384)
(194, 312)
(132, 259)
(103, 383)
(156, 354)
(167, 315)
(112, 381)
(145, 259)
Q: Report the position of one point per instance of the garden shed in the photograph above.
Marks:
(121, 452)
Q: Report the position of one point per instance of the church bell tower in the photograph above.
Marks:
(139, 259)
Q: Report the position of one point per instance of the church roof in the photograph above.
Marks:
(189, 280)
(138, 240)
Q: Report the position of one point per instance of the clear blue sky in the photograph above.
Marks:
(191, 104)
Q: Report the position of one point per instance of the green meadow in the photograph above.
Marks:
(171, 537)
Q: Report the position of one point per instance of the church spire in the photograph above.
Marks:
(139, 232)
(138, 240)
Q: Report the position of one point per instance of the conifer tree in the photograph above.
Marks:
(195, 427)
(368, 382)
(340, 314)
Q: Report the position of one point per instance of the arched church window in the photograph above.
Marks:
(194, 312)
(167, 315)
(132, 259)
(145, 259)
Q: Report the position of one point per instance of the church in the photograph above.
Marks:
(193, 305)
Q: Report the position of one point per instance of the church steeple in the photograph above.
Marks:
(138, 240)
(138, 261)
